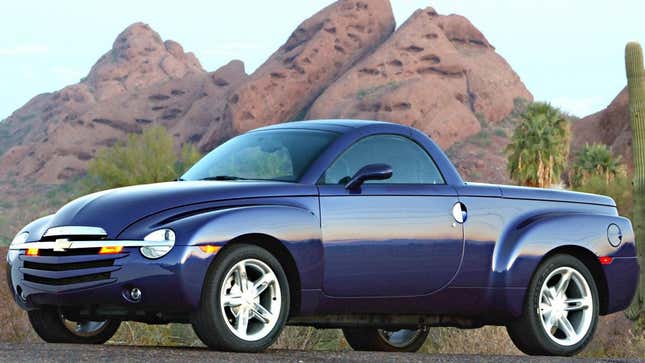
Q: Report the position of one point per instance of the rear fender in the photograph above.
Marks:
(524, 245)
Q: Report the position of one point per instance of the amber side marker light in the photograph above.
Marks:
(32, 252)
(108, 250)
(210, 249)
(605, 260)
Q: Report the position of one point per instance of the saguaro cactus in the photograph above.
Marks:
(636, 85)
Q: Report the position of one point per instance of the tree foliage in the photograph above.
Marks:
(595, 160)
(539, 147)
(146, 158)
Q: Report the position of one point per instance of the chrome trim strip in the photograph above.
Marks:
(91, 244)
(75, 231)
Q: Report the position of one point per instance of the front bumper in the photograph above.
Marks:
(79, 277)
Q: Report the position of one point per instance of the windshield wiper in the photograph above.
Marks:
(223, 177)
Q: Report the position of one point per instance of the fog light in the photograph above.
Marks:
(135, 294)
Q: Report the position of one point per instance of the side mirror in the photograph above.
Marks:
(369, 172)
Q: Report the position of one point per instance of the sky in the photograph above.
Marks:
(567, 52)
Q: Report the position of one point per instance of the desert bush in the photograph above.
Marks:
(146, 158)
(595, 160)
(619, 188)
(539, 147)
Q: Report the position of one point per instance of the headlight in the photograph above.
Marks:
(166, 239)
(20, 238)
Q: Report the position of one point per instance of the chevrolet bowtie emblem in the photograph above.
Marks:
(62, 244)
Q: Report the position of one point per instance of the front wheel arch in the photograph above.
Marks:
(282, 254)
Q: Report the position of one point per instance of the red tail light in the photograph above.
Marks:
(605, 260)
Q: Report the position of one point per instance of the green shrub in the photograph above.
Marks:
(146, 158)
(619, 188)
(595, 160)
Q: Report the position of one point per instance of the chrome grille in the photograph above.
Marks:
(67, 266)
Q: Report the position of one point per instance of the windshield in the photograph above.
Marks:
(281, 155)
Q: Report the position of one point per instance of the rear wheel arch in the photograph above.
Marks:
(275, 247)
(590, 260)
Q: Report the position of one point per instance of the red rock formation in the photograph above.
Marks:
(140, 81)
(610, 126)
(321, 49)
(437, 73)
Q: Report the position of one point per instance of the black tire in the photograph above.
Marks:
(209, 321)
(48, 324)
(372, 339)
(528, 333)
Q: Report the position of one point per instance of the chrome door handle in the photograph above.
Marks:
(459, 212)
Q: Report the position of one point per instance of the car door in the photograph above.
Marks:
(394, 237)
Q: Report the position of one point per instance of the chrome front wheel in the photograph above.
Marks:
(84, 328)
(52, 326)
(250, 299)
(245, 300)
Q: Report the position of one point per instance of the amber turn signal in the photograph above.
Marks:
(32, 252)
(210, 249)
(108, 250)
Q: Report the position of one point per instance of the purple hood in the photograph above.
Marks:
(115, 209)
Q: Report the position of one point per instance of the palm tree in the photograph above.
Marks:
(539, 146)
(598, 160)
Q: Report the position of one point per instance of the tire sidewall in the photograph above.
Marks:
(49, 325)
(211, 297)
(533, 304)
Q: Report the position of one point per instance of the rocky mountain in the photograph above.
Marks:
(610, 126)
(437, 73)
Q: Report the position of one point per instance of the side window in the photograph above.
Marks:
(410, 163)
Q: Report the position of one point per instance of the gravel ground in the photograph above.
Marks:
(117, 353)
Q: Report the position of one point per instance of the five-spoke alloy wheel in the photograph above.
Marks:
(561, 309)
(565, 306)
(245, 301)
(251, 299)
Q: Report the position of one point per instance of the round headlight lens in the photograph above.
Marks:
(166, 239)
(20, 238)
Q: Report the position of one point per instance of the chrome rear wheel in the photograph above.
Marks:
(560, 309)
(566, 306)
